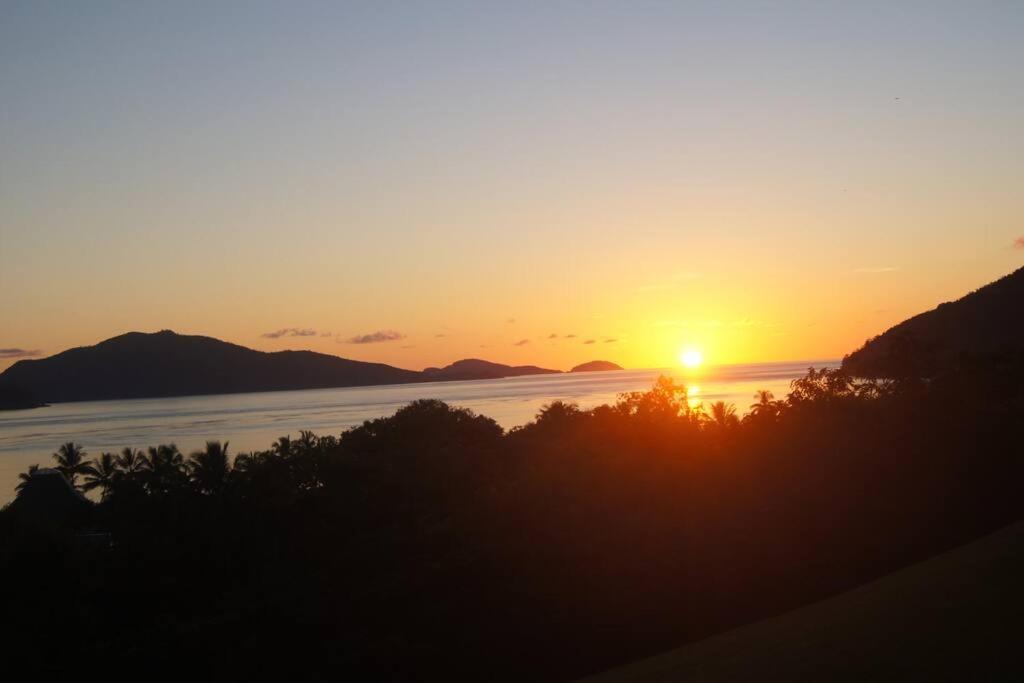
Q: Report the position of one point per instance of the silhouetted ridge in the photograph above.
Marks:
(986, 323)
(140, 365)
(162, 364)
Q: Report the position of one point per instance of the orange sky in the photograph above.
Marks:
(763, 185)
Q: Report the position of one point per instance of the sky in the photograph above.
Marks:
(545, 183)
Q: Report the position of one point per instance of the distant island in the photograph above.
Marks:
(474, 368)
(165, 364)
(988, 322)
(596, 366)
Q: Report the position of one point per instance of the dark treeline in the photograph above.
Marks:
(431, 543)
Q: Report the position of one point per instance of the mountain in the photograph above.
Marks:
(139, 365)
(986, 322)
(17, 398)
(162, 364)
(596, 366)
(474, 368)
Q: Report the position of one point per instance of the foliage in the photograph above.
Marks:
(431, 541)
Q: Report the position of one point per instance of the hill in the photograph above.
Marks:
(952, 618)
(161, 364)
(17, 398)
(986, 322)
(596, 366)
(474, 368)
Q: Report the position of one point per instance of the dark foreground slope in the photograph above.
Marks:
(955, 617)
(985, 323)
(138, 365)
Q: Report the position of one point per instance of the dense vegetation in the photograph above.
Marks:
(431, 543)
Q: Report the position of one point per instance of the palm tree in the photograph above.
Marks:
(70, 459)
(101, 474)
(282, 447)
(26, 476)
(131, 461)
(209, 469)
(764, 403)
(164, 467)
(723, 415)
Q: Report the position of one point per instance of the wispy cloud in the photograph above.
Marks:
(18, 353)
(440, 336)
(570, 336)
(522, 342)
(510, 320)
(610, 341)
(325, 334)
(876, 269)
(375, 337)
(552, 336)
(590, 341)
(1018, 243)
(289, 332)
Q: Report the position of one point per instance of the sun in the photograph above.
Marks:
(691, 358)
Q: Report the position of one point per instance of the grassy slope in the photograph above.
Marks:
(956, 617)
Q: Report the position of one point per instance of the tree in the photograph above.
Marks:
(765, 407)
(131, 461)
(723, 415)
(101, 473)
(209, 468)
(26, 476)
(164, 468)
(71, 462)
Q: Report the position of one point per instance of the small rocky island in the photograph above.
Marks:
(596, 366)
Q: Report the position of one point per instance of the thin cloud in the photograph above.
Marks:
(18, 353)
(325, 334)
(522, 342)
(289, 332)
(376, 337)
(590, 341)
(440, 336)
(610, 341)
(1018, 243)
(510, 320)
(552, 336)
(570, 336)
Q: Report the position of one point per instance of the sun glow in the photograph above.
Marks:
(691, 358)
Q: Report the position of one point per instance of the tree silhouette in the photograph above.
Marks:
(723, 415)
(209, 469)
(71, 462)
(164, 468)
(26, 476)
(131, 461)
(101, 473)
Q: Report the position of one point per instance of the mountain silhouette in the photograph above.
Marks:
(164, 364)
(474, 368)
(596, 366)
(987, 322)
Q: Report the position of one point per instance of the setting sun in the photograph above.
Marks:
(691, 358)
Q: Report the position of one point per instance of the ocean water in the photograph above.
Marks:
(254, 421)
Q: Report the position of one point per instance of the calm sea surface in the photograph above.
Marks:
(253, 421)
